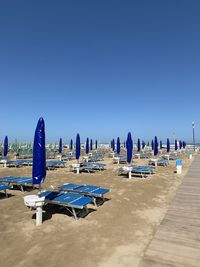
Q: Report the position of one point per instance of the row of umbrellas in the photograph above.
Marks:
(88, 145)
(154, 145)
(39, 153)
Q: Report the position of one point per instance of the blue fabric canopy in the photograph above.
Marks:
(118, 145)
(155, 146)
(87, 146)
(96, 144)
(152, 145)
(129, 147)
(168, 145)
(5, 146)
(60, 146)
(175, 145)
(39, 154)
(113, 144)
(71, 144)
(180, 144)
(184, 144)
(143, 144)
(78, 146)
(91, 144)
(138, 145)
(160, 144)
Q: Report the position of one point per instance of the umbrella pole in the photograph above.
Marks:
(39, 210)
(39, 215)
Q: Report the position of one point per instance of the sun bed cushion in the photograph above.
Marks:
(87, 189)
(66, 198)
(17, 180)
(4, 187)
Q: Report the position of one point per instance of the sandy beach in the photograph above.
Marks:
(113, 234)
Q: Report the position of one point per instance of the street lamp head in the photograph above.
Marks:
(193, 124)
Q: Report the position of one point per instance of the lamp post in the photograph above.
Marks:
(193, 125)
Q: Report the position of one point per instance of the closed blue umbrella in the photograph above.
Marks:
(168, 145)
(155, 146)
(71, 144)
(96, 144)
(39, 154)
(180, 144)
(5, 146)
(129, 147)
(91, 144)
(138, 145)
(143, 144)
(152, 145)
(78, 146)
(113, 144)
(184, 144)
(60, 146)
(175, 145)
(118, 145)
(160, 144)
(87, 146)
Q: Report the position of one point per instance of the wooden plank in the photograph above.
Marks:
(177, 240)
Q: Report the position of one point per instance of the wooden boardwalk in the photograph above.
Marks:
(177, 241)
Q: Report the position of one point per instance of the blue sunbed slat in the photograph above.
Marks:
(69, 186)
(66, 198)
(25, 180)
(4, 187)
(82, 201)
(12, 179)
(100, 191)
(87, 189)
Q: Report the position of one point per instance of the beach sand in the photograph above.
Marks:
(113, 234)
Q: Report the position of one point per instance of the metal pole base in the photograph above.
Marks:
(38, 216)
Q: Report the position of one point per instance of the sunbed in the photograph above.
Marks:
(53, 164)
(87, 166)
(71, 201)
(163, 162)
(88, 190)
(159, 162)
(137, 170)
(18, 163)
(92, 165)
(145, 155)
(95, 158)
(17, 181)
(4, 187)
(122, 159)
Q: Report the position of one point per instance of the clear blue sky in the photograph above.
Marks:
(100, 68)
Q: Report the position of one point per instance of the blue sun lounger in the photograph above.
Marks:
(4, 187)
(18, 181)
(71, 201)
(92, 165)
(137, 170)
(18, 163)
(88, 190)
(53, 164)
(160, 162)
(95, 158)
